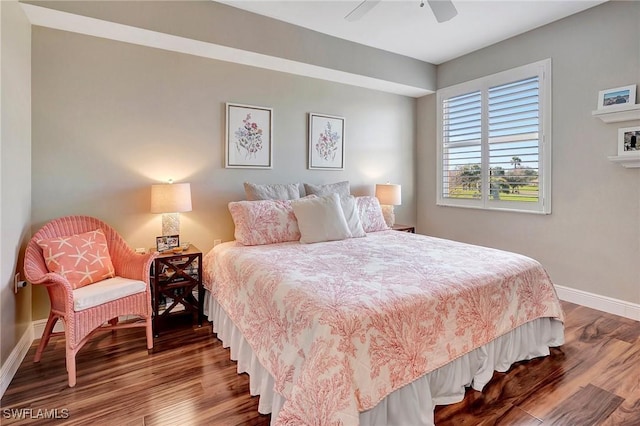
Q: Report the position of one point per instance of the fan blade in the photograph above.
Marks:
(443, 10)
(361, 10)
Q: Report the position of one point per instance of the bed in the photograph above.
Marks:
(375, 330)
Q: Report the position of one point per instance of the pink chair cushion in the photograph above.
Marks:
(82, 259)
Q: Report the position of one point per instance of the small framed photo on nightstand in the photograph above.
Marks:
(167, 242)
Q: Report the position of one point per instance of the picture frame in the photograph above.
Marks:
(326, 142)
(616, 97)
(629, 141)
(167, 242)
(249, 137)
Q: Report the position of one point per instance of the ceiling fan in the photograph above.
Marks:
(443, 10)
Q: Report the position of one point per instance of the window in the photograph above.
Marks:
(494, 149)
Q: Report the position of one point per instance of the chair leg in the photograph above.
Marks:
(149, 329)
(71, 366)
(113, 322)
(44, 341)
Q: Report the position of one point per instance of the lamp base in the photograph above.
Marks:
(170, 224)
(389, 215)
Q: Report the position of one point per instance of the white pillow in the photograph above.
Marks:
(352, 216)
(320, 219)
(274, 191)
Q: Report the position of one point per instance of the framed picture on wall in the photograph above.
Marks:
(616, 97)
(629, 141)
(326, 142)
(249, 131)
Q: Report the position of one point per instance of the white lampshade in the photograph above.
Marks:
(171, 198)
(389, 194)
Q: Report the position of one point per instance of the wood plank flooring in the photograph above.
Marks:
(593, 379)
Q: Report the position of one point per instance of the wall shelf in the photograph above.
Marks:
(617, 114)
(627, 161)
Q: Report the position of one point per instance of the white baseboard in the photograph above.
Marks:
(601, 303)
(39, 325)
(17, 355)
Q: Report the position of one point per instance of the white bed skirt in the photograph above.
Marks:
(412, 404)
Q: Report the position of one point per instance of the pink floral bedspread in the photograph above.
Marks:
(340, 325)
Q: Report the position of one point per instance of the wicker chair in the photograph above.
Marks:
(80, 325)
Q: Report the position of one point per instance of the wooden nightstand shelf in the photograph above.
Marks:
(404, 228)
(176, 287)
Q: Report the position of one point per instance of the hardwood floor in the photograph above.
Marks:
(593, 379)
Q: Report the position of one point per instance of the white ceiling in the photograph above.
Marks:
(403, 27)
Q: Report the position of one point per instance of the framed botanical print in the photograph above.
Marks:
(249, 131)
(326, 142)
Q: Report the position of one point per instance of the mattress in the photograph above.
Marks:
(342, 327)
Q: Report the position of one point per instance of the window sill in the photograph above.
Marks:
(492, 209)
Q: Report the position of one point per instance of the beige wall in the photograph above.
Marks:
(110, 119)
(591, 241)
(15, 170)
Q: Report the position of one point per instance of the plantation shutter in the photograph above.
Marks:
(494, 149)
(514, 145)
(462, 146)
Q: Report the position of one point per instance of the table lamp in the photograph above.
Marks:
(389, 195)
(171, 199)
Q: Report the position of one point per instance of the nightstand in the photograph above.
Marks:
(176, 287)
(404, 228)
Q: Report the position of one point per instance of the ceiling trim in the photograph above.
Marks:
(51, 18)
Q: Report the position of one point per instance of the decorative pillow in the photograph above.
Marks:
(264, 222)
(321, 219)
(341, 188)
(371, 214)
(275, 191)
(351, 215)
(82, 259)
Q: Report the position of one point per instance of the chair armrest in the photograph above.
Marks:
(59, 288)
(51, 278)
(134, 266)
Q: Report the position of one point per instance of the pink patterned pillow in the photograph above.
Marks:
(264, 222)
(371, 214)
(82, 259)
